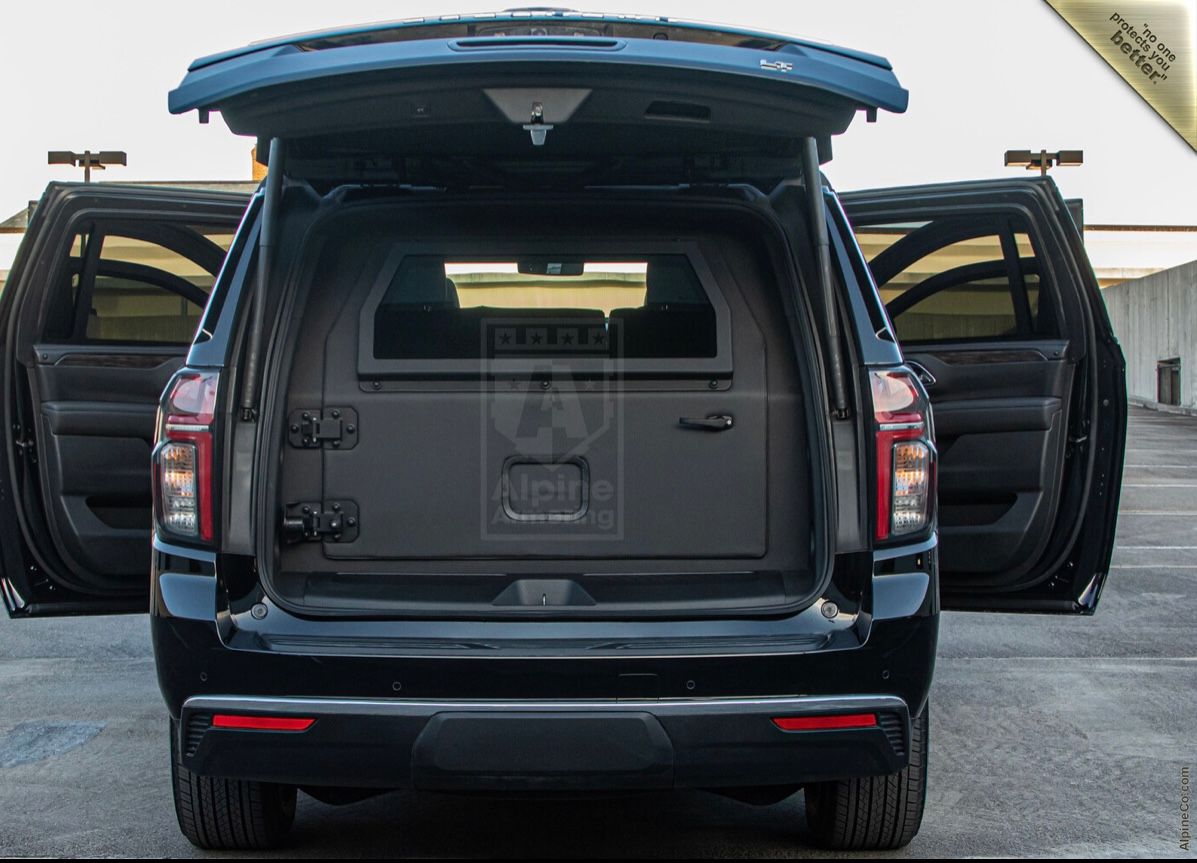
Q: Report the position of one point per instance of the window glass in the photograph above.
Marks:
(137, 251)
(535, 306)
(127, 309)
(139, 290)
(603, 286)
(975, 309)
(945, 281)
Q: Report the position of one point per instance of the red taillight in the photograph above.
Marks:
(261, 723)
(826, 723)
(904, 454)
(183, 474)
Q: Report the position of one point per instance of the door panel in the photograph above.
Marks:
(989, 293)
(103, 301)
(97, 414)
(1000, 431)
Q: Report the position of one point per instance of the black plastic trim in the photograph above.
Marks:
(595, 745)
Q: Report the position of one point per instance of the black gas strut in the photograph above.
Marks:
(274, 189)
(818, 227)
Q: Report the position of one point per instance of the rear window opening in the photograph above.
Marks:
(546, 307)
(551, 419)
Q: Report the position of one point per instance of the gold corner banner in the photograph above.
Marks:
(1152, 44)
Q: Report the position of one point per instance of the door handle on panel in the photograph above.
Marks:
(921, 372)
(721, 422)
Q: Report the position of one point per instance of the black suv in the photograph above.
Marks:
(551, 426)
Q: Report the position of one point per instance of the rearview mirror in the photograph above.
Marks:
(550, 267)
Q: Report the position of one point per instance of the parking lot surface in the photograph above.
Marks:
(1049, 735)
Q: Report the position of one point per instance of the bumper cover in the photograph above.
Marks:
(544, 746)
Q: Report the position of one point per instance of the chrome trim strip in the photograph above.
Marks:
(800, 705)
(891, 552)
(165, 547)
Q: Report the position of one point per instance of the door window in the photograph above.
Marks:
(144, 284)
(957, 279)
(130, 309)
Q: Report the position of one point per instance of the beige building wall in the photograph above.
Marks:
(1155, 319)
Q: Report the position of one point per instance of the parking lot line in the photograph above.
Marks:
(1159, 485)
(1169, 466)
(1155, 547)
(1168, 512)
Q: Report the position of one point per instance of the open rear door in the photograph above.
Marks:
(98, 313)
(540, 98)
(994, 302)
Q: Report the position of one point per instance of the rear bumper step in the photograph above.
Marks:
(599, 595)
(543, 746)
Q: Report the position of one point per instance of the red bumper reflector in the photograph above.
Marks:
(261, 723)
(824, 723)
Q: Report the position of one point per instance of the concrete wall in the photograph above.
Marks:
(1155, 318)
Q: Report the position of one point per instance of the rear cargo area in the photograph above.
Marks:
(578, 406)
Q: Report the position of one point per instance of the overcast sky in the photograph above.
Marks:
(983, 77)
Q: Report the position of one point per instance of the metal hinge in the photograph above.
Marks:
(26, 447)
(330, 521)
(332, 427)
(1076, 443)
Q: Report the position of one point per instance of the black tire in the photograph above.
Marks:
(229, 814)
(877, 812)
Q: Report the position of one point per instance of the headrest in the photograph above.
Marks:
(421, 281)
(671, 280)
